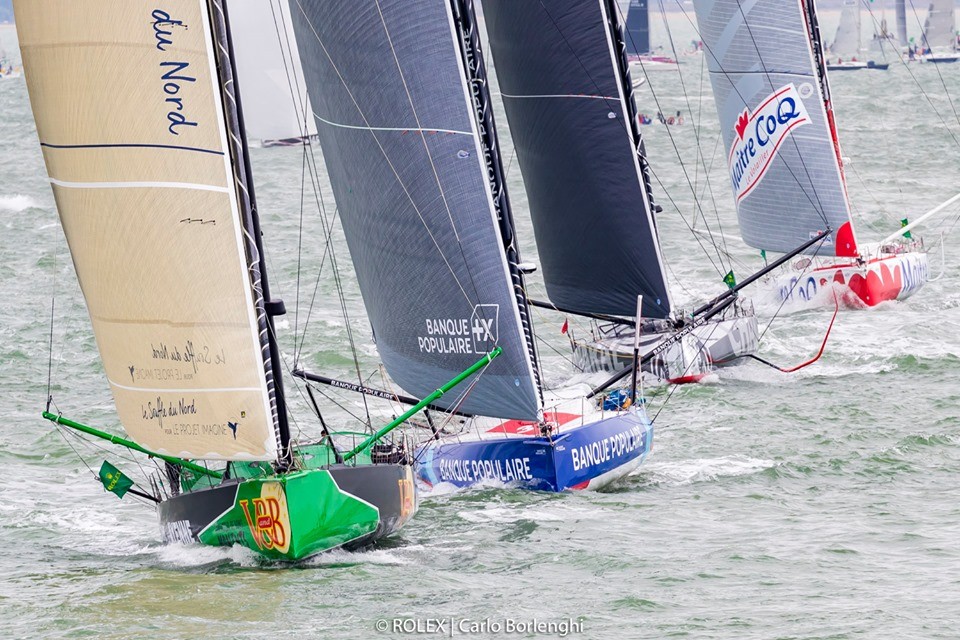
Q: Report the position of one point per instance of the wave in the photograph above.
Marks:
(17, 203)
(684, 472)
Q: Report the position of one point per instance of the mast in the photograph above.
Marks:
(901, 11)
(620, 48)
(267, 308)
(473, 64)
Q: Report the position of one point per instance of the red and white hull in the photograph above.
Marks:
(894, 276)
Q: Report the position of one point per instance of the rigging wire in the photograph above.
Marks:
(645, 165)
(743, 100)
(920, 86)
(696, 134)
(470, 301)
(310, 160)
(913, 8)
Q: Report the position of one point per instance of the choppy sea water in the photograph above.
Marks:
(817, 505)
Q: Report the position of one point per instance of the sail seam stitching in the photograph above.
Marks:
(402, 129)
(137, 185)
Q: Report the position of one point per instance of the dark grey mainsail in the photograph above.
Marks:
(415, 175)
(565, 87)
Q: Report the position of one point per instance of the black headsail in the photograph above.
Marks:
(401, 106)
(566, 88)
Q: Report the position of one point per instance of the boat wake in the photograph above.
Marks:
(685, 472)
(199, 556)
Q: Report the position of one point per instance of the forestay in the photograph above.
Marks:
(772, 99)
(939, 27)
(565, 88)
(275, 103)
(638, 28)
(847, 42)
(131, 122)
(418, 193)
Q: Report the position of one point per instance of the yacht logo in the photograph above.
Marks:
(267, 517)
(759, 136)
(477, 334)
(485, 325)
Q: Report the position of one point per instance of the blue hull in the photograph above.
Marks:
(579, 455)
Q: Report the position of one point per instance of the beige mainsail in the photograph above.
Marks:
(131, 123)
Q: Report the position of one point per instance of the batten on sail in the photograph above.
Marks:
(771, 95)
(411, 171)
(146, 195)
(565, 90)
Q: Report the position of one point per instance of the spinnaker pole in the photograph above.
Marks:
(759, 274)
(908, 227)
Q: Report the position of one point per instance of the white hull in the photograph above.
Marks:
(718, 342)
(894, 276)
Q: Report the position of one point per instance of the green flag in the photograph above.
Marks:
(763, 254)
(114, 480)
(903, 223)
(730, 279)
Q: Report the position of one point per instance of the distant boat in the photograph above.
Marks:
(411, 148)
(586, 173)
(276, 107)
(155, 195)
(886, 44)
(637, 40)
(939, 33)
(773, 100)
(8, 70)
(847, 45)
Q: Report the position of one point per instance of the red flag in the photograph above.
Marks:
(566, 325)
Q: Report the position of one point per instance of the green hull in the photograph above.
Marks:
(295, 515)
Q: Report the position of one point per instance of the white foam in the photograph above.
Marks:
(16, 203)
(198, 555)
(387, 557)
(685, 472)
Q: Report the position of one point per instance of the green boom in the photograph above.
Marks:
(476, 366)
(186, 464)
(52, 417)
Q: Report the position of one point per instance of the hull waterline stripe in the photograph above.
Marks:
(138, 185)
(365, 128)
(130, 146)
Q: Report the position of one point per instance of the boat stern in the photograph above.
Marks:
(295, 515)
